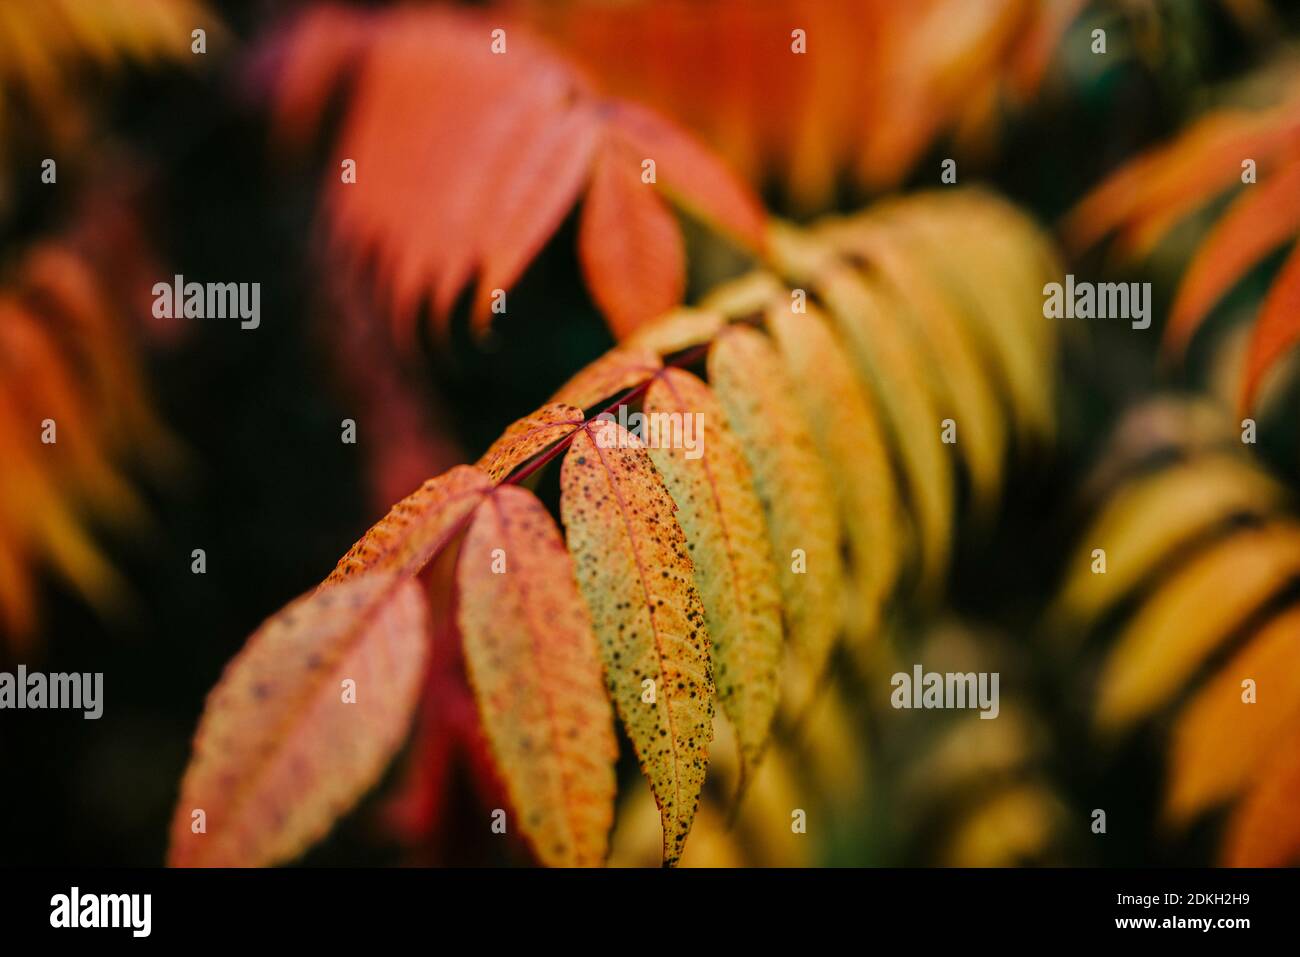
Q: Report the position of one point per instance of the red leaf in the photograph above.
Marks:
(629, 243)
(696, 178)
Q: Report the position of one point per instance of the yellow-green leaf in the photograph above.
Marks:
(533, 661)
(954, 363)
(1152, 518)
(678, 330)
(636, 574)
(723, 520)
(866, 315)
(847, 431)
(1194, 610)
(798, 499)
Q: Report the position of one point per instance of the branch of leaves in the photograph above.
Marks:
(724, 568)
(1194, 555)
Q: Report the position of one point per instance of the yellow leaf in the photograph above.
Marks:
(865, 314)
(1193, 611)
(533, 662)
(983, 272)
(954, 366)
(847, 431)
(678, 330)
(723, 520)
(798, 499)
(635, 571)
(744, 296)
(1013, 826)
(281, 752)
(1155, 516)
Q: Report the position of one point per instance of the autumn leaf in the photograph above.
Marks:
(534, 664)
(1152, 518)
(445, 191)
(529, 436)
(1186, 619)
(946, 343)
(797, 495)
(302, 723)
(722, 518)
(873, 85)
(888, 361)
(847, 430)
(1152, 193)
(613, 373)
(1220, 738)
(408, 537)
(629, 244)
(1258, 221)
(635, 571)
(677, 331)
(75, 415)
(1276, 330)
(687, 566)
(1264, 831)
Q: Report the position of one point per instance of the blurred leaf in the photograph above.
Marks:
(468, 159)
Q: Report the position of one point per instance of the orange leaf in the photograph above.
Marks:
(535, 668)
(417, 527)
(1219, 739)
(302, 723)
(630, 244)
(528, 436)
(1275, 331)
(616, 371)
(1264, 830)
(1262, 218)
